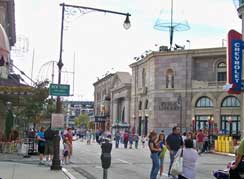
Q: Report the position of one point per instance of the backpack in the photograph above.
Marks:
(48, 134)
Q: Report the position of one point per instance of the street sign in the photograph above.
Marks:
(59, 90)
(57, 121)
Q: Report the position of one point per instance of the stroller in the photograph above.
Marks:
(224, 174)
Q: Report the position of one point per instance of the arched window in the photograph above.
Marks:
(204, 102)
(143, 77)
(170, 78)
(146, 104)
(231, 101)
(140, 105)
(221, 71)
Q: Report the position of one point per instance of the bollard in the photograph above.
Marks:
(216, 145)
(106, 157)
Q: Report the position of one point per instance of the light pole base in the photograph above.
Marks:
(56, 160)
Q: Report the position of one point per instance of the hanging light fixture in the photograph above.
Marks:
(127, 24)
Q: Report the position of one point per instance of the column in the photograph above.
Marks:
(127, 110)
(115, 111)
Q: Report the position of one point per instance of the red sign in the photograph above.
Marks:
(232, 36)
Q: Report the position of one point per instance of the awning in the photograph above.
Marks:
(121, 125)
(4, 47)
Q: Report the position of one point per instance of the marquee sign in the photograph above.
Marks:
(234, 62)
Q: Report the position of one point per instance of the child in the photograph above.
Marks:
(161, 143)
(66, 150)
(143, 140)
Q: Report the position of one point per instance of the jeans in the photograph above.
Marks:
(155, 165)
(172, 157)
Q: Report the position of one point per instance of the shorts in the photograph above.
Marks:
(41, 149)
(161, 161)
(49, 148)
(66, 153)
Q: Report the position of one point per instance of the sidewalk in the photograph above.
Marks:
(11, 170)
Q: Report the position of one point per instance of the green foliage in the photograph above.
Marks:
(82, 120)
(33, 106)
(9, 123)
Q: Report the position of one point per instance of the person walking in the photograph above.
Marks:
(136, 139)
(161, 143)
(238, 166)
(117, 139)
(126, 139)
(69, 136)
(154, 149)
(131, 138)
(48, 134)
(189, 156)
(41, 144)
(143, 141)
(199, 140)
(174, 143)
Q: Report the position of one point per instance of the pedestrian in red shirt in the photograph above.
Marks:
(199, 141)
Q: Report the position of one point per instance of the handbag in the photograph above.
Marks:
(177, 166)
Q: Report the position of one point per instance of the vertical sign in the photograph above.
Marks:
(57, 121)
(234, 62)
(236, 65)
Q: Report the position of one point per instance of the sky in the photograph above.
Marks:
(98, 43)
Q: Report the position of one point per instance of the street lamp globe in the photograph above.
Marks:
(239, 4)
(127, 24)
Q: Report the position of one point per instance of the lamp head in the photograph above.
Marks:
(127, 24)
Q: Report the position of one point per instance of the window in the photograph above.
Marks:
(140, 105)
(146, 104)
(230, 124)
(231, 101)
(221, 71)
(143, 77)
(170, 78)
(204, 102)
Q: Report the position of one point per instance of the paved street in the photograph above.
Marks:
(131, 163)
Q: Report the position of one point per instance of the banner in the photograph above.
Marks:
(234, 62)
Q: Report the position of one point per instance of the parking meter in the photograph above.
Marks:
(106, 154)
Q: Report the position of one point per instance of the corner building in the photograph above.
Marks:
(184, 88)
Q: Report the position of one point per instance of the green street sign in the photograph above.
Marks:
(59, 90)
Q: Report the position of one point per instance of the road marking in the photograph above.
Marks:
(67, 173)
(123, 161)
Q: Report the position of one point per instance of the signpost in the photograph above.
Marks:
(57, 121)
(59, 90)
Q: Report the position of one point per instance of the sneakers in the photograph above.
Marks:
(41, 162)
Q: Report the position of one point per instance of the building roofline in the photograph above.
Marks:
(193, 52)
(103, 79)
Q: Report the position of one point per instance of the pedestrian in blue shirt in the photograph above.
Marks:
(41, 144)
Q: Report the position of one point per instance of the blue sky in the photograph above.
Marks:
(101, 43)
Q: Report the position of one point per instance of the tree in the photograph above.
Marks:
(82, 121)
(33, 106)
(9, 123)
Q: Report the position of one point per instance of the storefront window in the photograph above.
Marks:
(230, 124)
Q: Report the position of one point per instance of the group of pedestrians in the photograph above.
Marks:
(45, 145)
(127, 138)
(174, 144)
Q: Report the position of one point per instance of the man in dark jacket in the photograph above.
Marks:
(48, 134)
(174, 142)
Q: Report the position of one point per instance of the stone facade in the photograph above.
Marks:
(112, 101)
(183, 88)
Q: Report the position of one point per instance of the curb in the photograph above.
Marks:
(223, 154)
(67, 173)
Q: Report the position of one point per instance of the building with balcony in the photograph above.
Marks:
(183, 88)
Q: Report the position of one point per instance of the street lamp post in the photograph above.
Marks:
(56, 159)
(240, 9)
